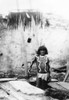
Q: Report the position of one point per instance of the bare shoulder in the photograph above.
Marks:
(46, 57)
(34, 58)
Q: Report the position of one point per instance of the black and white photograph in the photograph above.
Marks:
(34, 49)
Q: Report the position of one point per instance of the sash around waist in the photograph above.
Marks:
(43, 76)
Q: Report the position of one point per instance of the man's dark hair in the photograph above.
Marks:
(42, 48)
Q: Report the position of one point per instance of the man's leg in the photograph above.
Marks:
(38, 82)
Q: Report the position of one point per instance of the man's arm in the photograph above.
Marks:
(35, 60)
(48, 66)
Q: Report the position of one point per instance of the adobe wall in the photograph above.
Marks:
(15, 50)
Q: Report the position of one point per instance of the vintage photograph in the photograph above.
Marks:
(34, 49)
